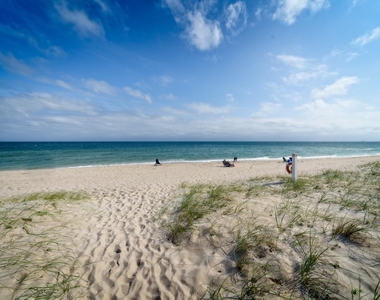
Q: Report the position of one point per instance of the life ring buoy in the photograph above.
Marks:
(289, 168)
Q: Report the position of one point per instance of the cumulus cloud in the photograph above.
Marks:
(367, 38)
(288, 10)
(81, 21)
(339, 87)
(99, 86)
(12, 64)
(138, 94)
(236, 17)
(293, 61)
(200, 31)
(203, 33)
(203, 24)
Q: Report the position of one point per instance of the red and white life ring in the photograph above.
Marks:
(289, 168)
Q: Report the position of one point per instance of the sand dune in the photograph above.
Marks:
(122, 247)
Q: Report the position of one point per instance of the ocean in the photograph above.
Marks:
(47, 155)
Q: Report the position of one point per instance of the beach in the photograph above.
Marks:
(116, 236)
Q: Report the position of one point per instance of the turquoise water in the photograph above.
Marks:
(39, 155)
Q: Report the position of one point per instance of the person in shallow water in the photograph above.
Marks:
(157, 163)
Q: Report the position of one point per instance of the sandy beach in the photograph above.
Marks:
(119, 243)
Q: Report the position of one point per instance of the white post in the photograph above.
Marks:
(294, 166)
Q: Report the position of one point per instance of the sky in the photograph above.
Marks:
(179, 70)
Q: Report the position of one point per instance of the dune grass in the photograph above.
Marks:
(311, 279)
(198, 202)
(354, 230)
(308, 223)
(37, 261)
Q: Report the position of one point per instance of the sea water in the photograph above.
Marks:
(40, 155)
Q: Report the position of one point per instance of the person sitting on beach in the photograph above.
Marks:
(157, 163)
(235, 159)
(228, 164)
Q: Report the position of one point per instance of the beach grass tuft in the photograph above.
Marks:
(353, 229)
(44, 266)
(311, 279)
(51, 196)
(198, 202)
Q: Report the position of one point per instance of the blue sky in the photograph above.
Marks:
(103, 70)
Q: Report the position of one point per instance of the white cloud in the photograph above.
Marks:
(103, 6)
(205, 108)
(288, 10)
(99, 86)
(298, 77)
(36, 105)
(342, 112)
(201, 32)
(230, 98)
(293, 61)
(356, 2)
(49, 101)
(81, 21)
(49, 51)
(176, 7)
(42, 116)
(258, 13)
(63, 84)
(348, 55)
(236, 17)
(169, 96)
(163, 80)
(174, 111)
(339, 87)
(315, 73)
(54, 51)
(138, 94)
(266, 108)
(202, 22)
(12, 64)
(204, 34)
(352, 55)
(368, 37)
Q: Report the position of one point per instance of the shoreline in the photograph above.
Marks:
(167, 176)
(240, 160)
